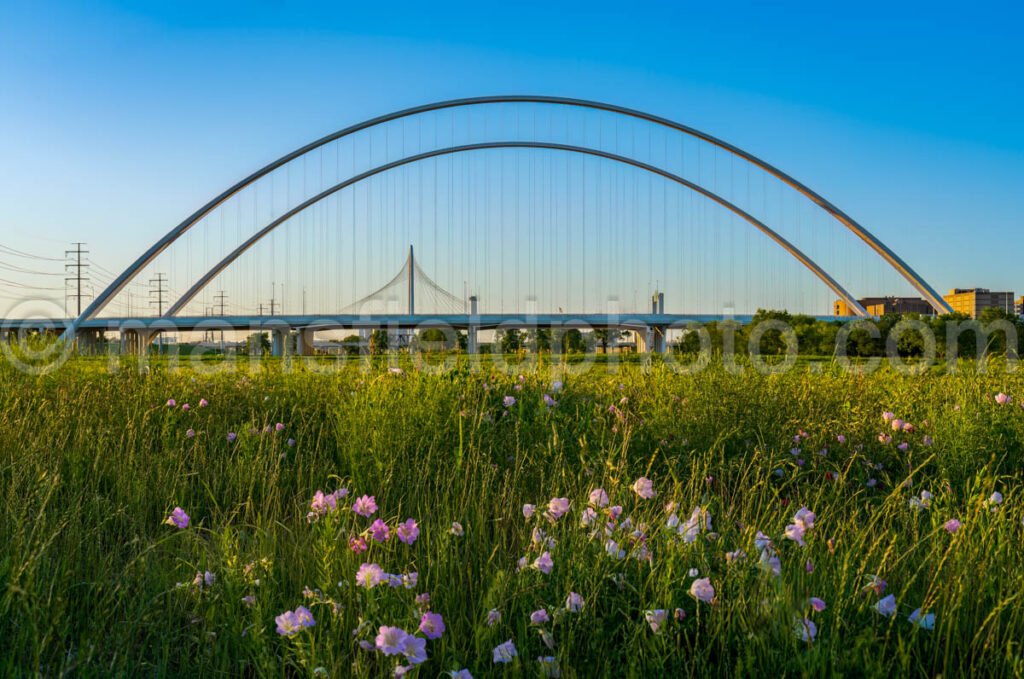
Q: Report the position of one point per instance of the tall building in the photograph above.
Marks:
(1018, 307)
(971, 301)
(880, 306)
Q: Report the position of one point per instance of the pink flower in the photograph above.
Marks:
(598, 498)
(543, 563)
(291, 623)
(904, 446)
(509, 401)
(557, 508)
(504, 653)
(171, 403)
(888, 416)
(178, 518)
(539, 617)
(841, 439)
(796, 532)
(952, 526)
(817, 604)
(203, 403)
(279, 427)
(357, 545)
(528, 510)
(365, 506)
(432, 625)
(391, 640)
(408, 531)
(1002, 399)
(574, 602)
(415, 650)
(186, 408)
(897, 424)
(232, 436)
(644, 488)
(190, 433)
(369, 575)
(884, 438)
(379, 531)
(493, 617)
(701, 590)
(655, 619)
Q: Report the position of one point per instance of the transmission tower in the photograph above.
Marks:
(79, 267)
(160, 282)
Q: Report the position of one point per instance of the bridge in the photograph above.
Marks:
(550, 211)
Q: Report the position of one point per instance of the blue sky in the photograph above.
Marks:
(119, 119)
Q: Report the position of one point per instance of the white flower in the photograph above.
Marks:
(701, 590)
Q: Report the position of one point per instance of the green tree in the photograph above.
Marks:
(607, 337)
(510, 340)
(378, 341)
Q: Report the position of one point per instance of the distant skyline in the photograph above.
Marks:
(118, 121)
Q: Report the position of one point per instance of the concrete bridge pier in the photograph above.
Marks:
(279, 341)
(473, 329)
(136, 341)
(304, 344)
(87, 341)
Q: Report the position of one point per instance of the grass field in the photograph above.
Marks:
(96, 582)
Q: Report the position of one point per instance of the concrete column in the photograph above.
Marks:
(474, 327)
(305, 342)
(278, 340)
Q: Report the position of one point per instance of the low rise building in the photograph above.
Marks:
(881, 306)
(972, 301)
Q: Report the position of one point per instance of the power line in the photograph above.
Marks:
(19, 253)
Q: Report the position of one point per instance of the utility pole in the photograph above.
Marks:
(219, 299)
(160, 281)
(272, 306)
(78, 267)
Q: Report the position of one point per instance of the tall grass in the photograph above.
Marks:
(92, 461)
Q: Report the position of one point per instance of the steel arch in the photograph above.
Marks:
(761, 226)
(880, 248)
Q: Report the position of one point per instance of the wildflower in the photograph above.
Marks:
(927, 441)
(877, 584)
(841, 439)
(509, 401)
(886, 606)
(809, 566)
(391, 640)
(612, 547)
(279, 427)
(549, 402)
(365, 506)
(556, 385)
(994, 500)
(232, 436)
(408, 531)
(817, 604)
(888, 416)
(615, 512)
(369, 575)
(493, 617)
(409, 581)
(291, 443)
(171, 403)
(185, 408)
(379, 531)
(952, 526)
(655, 619)
(904, 447)
(528, 510)
(806, 630)
(926, 621)
(701, 590)
(203, 403)
(543, 563)
(1002, 399)
(432, 625)
(190, 433)
(178, 518)
(422, 599)
(897, 424)
(357, 544)
(679, 615)
(672, 522)
(539, 617)
(884, 438)
(795, 532)
(549, 666)
(460, 674)
(504, 653)
(598, 498)
(733, 557)
(644, 488)
(415, 650)
(762, 541)
(574, 602)
(700, 519)
(557, 508)
(926, 499)
(456, 529)
(588, 517)
(291, 623)
(249, 601)
(770, 562)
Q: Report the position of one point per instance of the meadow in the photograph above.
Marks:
(333, 519)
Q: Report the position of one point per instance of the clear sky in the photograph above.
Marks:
(117, 120)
